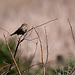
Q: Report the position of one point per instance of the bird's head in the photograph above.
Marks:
(24, 24)
(24, 27)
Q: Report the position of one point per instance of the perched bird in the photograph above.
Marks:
(21, 30)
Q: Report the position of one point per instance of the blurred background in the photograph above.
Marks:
(35, 12)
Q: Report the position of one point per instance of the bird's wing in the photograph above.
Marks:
(17, 31)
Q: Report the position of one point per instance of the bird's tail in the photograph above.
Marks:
(11, 34)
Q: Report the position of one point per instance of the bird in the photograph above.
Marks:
(21, 30)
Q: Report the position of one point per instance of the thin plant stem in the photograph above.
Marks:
(71, 30)
(40, 45)
(12, 56)
(73, 69)
(42, 24)
(41, 50)
(19, 41)
(46, 46)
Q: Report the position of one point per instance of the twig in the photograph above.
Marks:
(37, 71)
(19, 41)
(47, 53)
(73, 69)
(40, 69)
(4, 66)
(41, 49)
(4, 72)
(46, 23)
(29, 35)
(46, 47)
(4, 30)
(34, 65)
(35, 50)
(44, 70)
(31, 39)
(12, 56)
(49, 62)
(42, 24)
(40, 45)
(33, 55)
(71, 30)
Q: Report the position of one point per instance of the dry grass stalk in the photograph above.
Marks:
(38, 37)
(12, 56)
(42, 24)
(46, 47)
(71, 30)
(41, 50)
(73, 69)
(40, 45)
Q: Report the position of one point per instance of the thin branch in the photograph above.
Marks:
(33, 55)
(30, 33)
(49, 62)
(40, 45)
(34, 65)
(73, 69)
(46, 23)
(42, 24)
(46, 47)
(35, 50)
(40, 69)
(4, 30)
(12, 56)
(19, 41)
(71, 30)
(37, 71)
(41, 50)
(44, 68)
(4, 72)
(31, 39)
(4, 67)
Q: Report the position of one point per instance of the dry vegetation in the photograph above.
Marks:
(42, 50)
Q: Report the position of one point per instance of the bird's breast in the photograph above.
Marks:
(24, 29)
